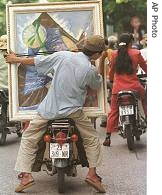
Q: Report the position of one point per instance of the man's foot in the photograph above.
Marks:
(20, 176)
(99, 178)
(26, 182)
(94, 180)
(107, 142)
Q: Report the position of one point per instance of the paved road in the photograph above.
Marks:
(123, 172)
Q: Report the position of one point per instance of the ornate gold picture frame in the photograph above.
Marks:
(36, 29)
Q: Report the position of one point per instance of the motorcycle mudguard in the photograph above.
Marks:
(61, 163)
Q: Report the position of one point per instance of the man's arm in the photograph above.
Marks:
(101, 63)
(43, 64)
(93, 79)
(12, 58)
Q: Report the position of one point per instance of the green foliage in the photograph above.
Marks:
(119, 12)
(56, 0)
(24, 1)
(3, 13)
(2, 16)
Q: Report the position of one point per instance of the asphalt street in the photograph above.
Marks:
(123, 172)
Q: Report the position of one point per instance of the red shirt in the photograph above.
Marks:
(125, 81)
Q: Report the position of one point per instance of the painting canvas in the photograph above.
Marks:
(42, 29)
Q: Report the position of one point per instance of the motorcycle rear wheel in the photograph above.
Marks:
(19, 134)
(3, 123)
(61, 180)
(138, 138)
(130, 136)
(3, 135)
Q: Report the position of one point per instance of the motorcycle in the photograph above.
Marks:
(6, 126)
(132, 122)
(63, 142)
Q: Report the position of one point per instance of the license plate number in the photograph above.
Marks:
(58, 151)
(126, 110)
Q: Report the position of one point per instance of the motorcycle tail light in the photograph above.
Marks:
(74, 138)
(60, 138)
(47, 138)
(126, 100)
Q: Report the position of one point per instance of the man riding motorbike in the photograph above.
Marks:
(105, 58)
(73, 72)
(123, 68)
(6, 127)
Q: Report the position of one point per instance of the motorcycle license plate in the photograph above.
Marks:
(57, 151)
(126, 110)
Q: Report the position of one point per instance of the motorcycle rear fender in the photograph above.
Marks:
(61, 163)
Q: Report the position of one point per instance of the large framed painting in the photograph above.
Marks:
(41, 29)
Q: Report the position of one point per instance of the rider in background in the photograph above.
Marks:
(122, 71)
(4, 70)
(138, 30)
(111, 42)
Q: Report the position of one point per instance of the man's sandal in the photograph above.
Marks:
(99, 178)
(22, 187)
(95, 184)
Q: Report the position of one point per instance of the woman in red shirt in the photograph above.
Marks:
(123, 68)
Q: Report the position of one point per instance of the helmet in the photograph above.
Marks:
(112, 39)
(3, 42)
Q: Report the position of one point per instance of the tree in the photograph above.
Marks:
(3, 13)
(119, 12)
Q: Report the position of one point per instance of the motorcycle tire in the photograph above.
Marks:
(3, 136)
(19, 134)
(61, 180)
(138, 138)
(129, 136)
(3, 122)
